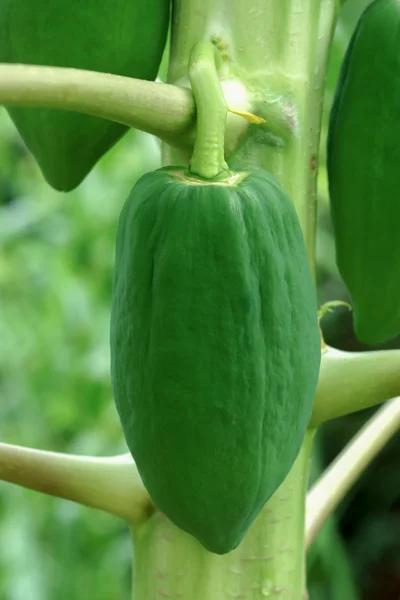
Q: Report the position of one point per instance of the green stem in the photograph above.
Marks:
(353, 381)
(110, 484)
(164, 110)
(208, 154)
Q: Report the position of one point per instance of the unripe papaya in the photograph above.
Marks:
(215, 345)
(122, 37)
(363, 172)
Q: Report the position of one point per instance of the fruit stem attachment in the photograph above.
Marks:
(208, 159)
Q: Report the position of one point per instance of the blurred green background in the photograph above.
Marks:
(56, 260)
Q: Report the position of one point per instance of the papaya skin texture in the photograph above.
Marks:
(215, 346)
(122, 37)
(363, 172)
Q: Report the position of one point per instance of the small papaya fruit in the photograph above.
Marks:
(215, 345)
(122, 37)
(363, 171)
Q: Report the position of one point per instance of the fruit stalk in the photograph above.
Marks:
(211, 112)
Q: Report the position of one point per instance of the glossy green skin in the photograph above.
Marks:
(123, 37)
(215, 346)
(364, 172)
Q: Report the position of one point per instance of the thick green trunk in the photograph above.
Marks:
(169, 563)
(275, 55)
(278, 52)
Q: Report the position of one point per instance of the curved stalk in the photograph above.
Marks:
(208, 154)
(341, 475)
(164, 110)
(109, 484)
(352, 381)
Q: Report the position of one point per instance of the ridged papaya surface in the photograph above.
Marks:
(364, 172)
(122, 37)
(215, 346)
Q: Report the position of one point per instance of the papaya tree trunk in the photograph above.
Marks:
(276, 55)
(269, 563)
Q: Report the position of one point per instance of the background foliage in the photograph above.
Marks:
(56, 260)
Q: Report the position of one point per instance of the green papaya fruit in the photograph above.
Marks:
(363, 172)
(215, 345)
(122, 37)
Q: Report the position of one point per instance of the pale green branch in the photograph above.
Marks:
(109, 484)
(352, 381)
(164, 110)
(341, 475)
